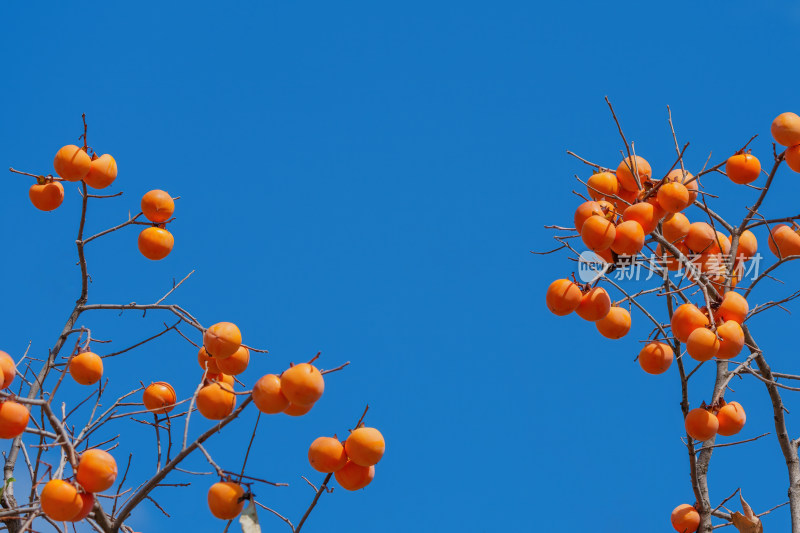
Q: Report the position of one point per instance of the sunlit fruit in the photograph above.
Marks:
(326, 454)
(222, 339)
(297, 410)
(157, 206)
(628, 239)
(630, 167)
(748, 246)
(46, 196)
(87, 502)
(267, 395)
(673, 197)
(685, 319)
(647, 214)
(732, 339)
(365, 446)
(687, 179)
(733, 307)
(685, 518)
(595, 304)
(102, 173)
(656, 357)
(563, 297)
(225, 500)
(72, 163)
(236, 363)
(786, 129)
(603, 185)
(700, 237)
(616, 324)
(216, 401)
(207, 362)
(354, 477)
(97, 470)
(86, 368)
(702, 344)
(302, 384)
(598, 233)
(731, 419)
(675, 227)
(784, 241)
(584, 211)
(60, 500)
(159, 397)
(701, 424)
(743, 168)
(13, 419)
(155, 243)
(8, 369)
(792, 157)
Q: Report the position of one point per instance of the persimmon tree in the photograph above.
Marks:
(65, 444)
(702, 274)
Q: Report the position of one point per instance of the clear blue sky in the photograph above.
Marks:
(367, 179)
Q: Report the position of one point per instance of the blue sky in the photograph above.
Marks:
(367, 179)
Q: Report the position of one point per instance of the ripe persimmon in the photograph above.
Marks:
(220, 378)
(656, 357)
(700, 237)
(687, 179)
(102, 173)
(786, 129)
(86, 368)
(365, 446)
(563, 297)
(701, 424)
(87, 502)
(731, 419)
(72, 163)
(159, 397)
(602, 185)
(216, 401)
(673, 197)
(685, 320)
(685, 518)
(633, 165)
(627, 198)
(225, 500)
(732, 339)
(8, 369)
(743, 168)
(584, 211)
(792, 157)
(297, 410)
(235, 364)
(628, 238)
(784, 241)
(222, 340)
(13, 419)
(207, 362)
(60, 500)
(748, 246)
(595, 304)
(675, 227)
(702, 344)
(647, 214)
(156, 243)
(733, 307)
(302, 384)
(157, 206)
(354, 477)
(326, 454)
(97, 470)
(598, 233)
(267, 395)
(616, 324)
(671, 261)
(46, 196)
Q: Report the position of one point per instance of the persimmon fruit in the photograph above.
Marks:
(60, 500)
(732, 339)
(743, 168)
(72, 163)
(13, 419)
(326, 454)
(157, 206)
(236, 363)
(700, 237)
(647, 214)
(97, 470)
(732, 418)
(302, 384)
(702, 344)
(46, 196)
(353, 476)
(155, 243)
(563, 297)
(267, 395)
(656, 357)
(207, 362)
(225, 500)
(673, 197)
(102, 172)
(786, 129)
(633, 166)
(297, 410)
(222, 340)
(595, 304)
(216, 400)
(8, 368)
(733, 307)
(86, 368)
(365, 446)
(616, 324)
(784, 241)
(675, 227)
(701, 424)
(602, 185)
(87, 502)
(598, 233)
(792, 157)
(159, 397)
(628, 238)
(685, 319)
(685, 518)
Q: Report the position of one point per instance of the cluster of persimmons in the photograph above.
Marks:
(221, 356)
(628, 205)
